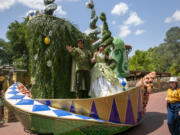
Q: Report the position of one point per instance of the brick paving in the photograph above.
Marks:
(155, 121)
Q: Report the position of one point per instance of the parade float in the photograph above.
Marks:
(51, 107)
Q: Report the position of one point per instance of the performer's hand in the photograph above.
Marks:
(179, 113)
(69, 48)
(107, 57)
(93, 60)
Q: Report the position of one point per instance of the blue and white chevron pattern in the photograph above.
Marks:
(23, 102)
(124, 84)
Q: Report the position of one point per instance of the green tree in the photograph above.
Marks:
(163, 58)
(166, 56)
(141, 61)
(16, 46)
(174, 69)
(5, 58)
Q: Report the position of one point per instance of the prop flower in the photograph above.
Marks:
(32, 80)
(36, 57)
(49, 63)
(24, 90)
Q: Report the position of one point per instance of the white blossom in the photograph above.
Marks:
(33, 80)
(49, 63)
(35, 56)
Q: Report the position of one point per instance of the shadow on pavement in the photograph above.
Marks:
(2, 125)
(151, 122)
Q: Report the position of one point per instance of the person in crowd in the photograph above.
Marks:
(173, 107)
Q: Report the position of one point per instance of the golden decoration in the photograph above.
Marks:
(2, 78)
(47, 40)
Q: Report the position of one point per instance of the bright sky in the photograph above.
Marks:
(139, 23)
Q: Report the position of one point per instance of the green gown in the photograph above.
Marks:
(103, 80)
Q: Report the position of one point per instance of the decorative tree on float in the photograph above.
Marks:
(94, 30)
(116, 48)
(50, 63)
(107, 39)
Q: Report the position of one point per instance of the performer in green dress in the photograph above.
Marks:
(103, 80)
(82, 57)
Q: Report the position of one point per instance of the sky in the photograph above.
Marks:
(139, 23)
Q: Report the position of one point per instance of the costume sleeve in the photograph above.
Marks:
(75, 52)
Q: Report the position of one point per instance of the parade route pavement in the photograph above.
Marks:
(155, 120)
(154, 123)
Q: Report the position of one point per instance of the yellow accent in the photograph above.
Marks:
(103, 104)
(173, 95)
(103, 107)
(2, 78)
(134, 102)
(47, 40)
(121, 102)
(61, 104)
(15, 77)
(86, 109)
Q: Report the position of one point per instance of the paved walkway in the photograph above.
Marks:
(155, 121)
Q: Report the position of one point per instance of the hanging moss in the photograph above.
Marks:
(107, 39)
(50, 65)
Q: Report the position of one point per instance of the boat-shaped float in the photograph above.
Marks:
(104, 115)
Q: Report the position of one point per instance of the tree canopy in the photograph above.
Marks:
(163, 58)
(15, 50)
(4, 56)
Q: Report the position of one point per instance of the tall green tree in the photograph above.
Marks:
(166, 55)
(163, 58)
(16, 47)
(5, 58)
(141, 61)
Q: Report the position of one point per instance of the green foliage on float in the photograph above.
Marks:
(107, 39)
(50, 65)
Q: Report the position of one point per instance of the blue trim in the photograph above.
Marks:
(25, 102)
(17, 97)
(13, 88)
(40, 108)
(61, 113)
(83, 117)
(13, 92)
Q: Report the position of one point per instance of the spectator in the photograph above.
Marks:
(173, 107)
